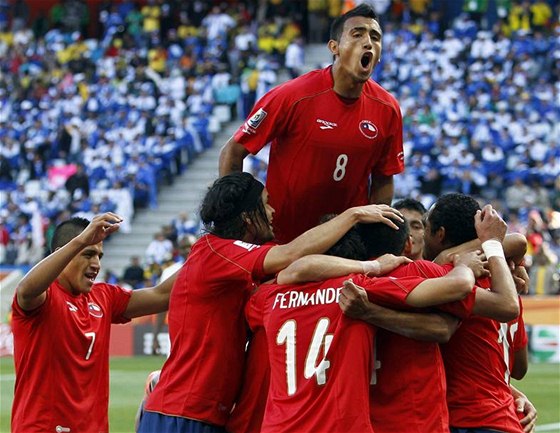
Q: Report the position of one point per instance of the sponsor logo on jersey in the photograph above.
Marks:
(247, 246)
(95, 310)
(368, 129)
(253, 123)
(326, 125)
(71, 307)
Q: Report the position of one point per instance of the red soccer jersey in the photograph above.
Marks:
(62, 359)
(477, 361)
(321, 361)
(323, 148)
(417, 388)
(202, 375)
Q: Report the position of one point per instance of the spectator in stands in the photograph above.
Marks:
(79, 181)
(159, 249)
(134, 273)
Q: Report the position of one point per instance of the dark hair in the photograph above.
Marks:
(222, 208)
(410, 204)
(363, 10)
(455, 212)
(381, 239)
(67, 230)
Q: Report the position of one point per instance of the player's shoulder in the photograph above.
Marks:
(374, 90)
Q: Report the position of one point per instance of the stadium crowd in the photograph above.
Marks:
(122, 101)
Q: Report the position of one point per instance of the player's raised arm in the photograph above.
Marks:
(231, 157)
(31, 289)
(321, 238)
(382, 189)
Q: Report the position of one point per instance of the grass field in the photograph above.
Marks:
(542, 385)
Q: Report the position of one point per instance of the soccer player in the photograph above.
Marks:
(321, 361)
(61, 325)
(201, 378)
(478, 356)
(413, 212)
(330, 131)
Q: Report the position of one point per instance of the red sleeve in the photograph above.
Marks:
(255, 306)
(461, 309)
(119, 299)
(388, 291)
(265, 122)
(520, 340)
(392, 161)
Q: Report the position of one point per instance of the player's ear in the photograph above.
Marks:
(407, 246)
(333, 47)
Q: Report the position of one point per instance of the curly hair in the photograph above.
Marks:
(222, 211)
(67, 230)
(455, 212)
(363, 10)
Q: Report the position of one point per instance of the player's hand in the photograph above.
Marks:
(475, 260)
(379, 213)
(99, 228)
(525, 407)
(489, 225)
(353, 300)
(521, 279)
(388, 262)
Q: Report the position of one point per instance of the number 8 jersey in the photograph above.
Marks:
(323, 147)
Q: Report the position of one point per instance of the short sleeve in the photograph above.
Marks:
(388, 291)
(120, 297)
(461, 309)
(520, 339)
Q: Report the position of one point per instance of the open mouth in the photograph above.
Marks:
(91, 276)
(366, 59)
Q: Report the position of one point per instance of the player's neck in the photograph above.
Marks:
(344, 86)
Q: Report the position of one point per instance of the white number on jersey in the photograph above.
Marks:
(340, 169)
(287, 335)
(90, 349)
(502, 338)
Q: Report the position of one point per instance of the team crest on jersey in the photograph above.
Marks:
(368, 129)
(95, 310)
(71, 307)
(254, 122)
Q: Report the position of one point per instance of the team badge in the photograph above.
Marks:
(368, 129)
(95, 310)
(71, 307)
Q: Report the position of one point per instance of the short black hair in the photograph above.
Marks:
(381, 239)
(410, 204)
(455, 212)
(363, 10)
(349, 246)
(67, 230)
(220, 212)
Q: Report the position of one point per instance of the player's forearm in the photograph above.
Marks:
(515, 247)
(502, 303)
(382, 190)
(231, 157)
(44, 273)
(317, 267)
(419, 326)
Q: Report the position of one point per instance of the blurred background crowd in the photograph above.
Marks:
(103, 102)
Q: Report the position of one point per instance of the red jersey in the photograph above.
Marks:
(207, 330)
(61, 356)
(321, 361)
(417, 388)
(477, 362)
(323, 147)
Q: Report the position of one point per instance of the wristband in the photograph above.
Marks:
(493, 248)
(371, 267)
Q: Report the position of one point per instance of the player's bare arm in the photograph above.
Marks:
(317, 267)
(231, 157)
(150, 300)
(515, 247)
(31, 289)
(382, 189)
(501, 303)
(319, 239)
(432, 327)
(520, 363)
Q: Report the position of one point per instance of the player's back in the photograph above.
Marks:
(321, 361)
